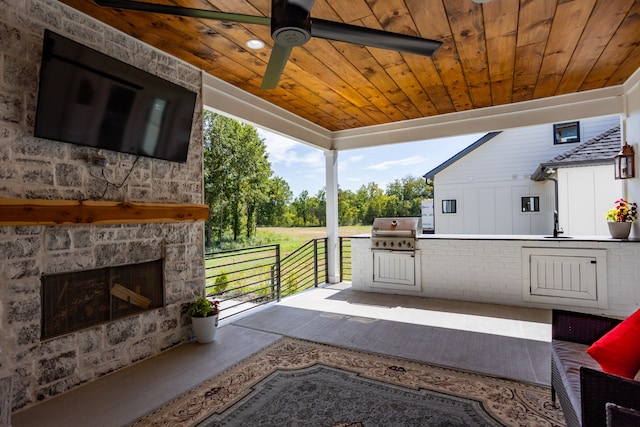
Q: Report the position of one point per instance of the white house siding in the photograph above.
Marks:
(585, 194)
(488, 182)
(489, 209)
(593, 127)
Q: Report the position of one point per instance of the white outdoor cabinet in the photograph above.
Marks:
(567, 276)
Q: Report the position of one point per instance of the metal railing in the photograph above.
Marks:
(345, 259)
(304, 268)
(242, 278)
(249, 277)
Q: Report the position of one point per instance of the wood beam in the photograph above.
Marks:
(73, 212)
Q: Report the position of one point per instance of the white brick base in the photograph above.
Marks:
(490, 269)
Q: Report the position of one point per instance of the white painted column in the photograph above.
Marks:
(333, 255)
(630, 132)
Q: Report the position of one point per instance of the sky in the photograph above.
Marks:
(303, 167)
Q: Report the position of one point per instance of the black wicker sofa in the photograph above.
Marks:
(589, 397)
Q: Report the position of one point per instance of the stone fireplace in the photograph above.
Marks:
(78, 300)
(144, 220)
(74, 270)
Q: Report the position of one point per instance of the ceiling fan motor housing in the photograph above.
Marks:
(290, 23)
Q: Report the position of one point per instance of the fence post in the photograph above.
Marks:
(278, 283)
(341, 259)
(272, 279)
(315, 263)
(326, 260)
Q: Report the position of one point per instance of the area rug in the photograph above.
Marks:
(300, 383)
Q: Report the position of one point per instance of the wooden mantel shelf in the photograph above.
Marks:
(73, 212)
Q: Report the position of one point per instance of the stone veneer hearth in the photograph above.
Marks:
(40, 169)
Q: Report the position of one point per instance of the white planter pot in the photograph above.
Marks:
(619, 230)
(205, 328)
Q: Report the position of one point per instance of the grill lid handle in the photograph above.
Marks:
(392, 233)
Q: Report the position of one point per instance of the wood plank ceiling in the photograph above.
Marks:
(501, 52)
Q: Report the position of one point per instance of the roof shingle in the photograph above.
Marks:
(601, 148)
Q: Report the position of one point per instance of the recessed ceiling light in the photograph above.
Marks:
(255, 44)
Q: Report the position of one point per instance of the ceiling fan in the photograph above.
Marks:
(292, 25)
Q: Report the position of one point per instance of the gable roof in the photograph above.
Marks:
(599, 150)
(432, 173)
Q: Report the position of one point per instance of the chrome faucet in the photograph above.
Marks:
(556, 226)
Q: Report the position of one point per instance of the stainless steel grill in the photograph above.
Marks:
(398, 234)
(395, 258)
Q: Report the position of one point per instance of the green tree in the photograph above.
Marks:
(301, 208)
(318, 208)
(273, 210)
(406, 195)
(371, 202)
(348, 213)
(256, 170)
(236, 173)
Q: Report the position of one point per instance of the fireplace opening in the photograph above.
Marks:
(78, 300)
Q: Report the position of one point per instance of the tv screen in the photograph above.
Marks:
(88, 98)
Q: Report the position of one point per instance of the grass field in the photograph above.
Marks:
(291, 238)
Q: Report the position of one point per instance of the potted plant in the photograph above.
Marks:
(621, 217)
(204, 318)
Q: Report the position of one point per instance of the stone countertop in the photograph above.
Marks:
(511, 237)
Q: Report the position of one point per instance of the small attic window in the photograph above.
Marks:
(449, 206)
(530, 204)
(566, 133)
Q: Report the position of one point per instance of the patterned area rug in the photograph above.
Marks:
(295, 382)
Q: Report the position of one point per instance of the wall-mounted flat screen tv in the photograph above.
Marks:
(88, 98)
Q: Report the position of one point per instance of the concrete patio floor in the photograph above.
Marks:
(505, 341)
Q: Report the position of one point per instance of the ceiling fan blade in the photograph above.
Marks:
(275, 67)
(370, 37)
(304, 4)
(184, 11)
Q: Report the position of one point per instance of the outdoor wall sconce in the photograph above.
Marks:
(624, 163)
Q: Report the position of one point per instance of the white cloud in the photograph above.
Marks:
(291, 153)
(278, 147)
(413, 160)
(314, 159)
(355, 159)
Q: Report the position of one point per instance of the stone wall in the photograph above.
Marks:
(34, 168)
